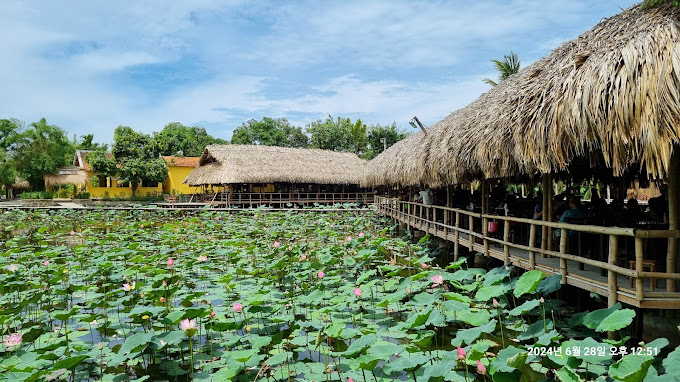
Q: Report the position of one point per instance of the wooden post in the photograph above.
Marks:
(471, 221)
(550, 215)
(673, 189)
(613, 257)
(456, 237)
(639, 258)
(544, 229)
(564, 245)
(485, 210)
(532, 244)
(613, 297)
(506, 240)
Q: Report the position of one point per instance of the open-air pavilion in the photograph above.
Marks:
(603, 107)
(248, 175)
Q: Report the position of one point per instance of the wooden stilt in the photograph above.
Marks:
(673, 189)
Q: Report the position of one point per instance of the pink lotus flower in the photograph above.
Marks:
(461, 353)
(171, 262)
(165, 283)
(331, 225)
(12, 268)
(408, 291)
(72, 233)
(350, 379)
(13, 340)
(357, 292)
(129, 287)
(276, 244)
(46, 263)
(424, 266)
(265, 228)
(437, 280)
(480, 368)
(162, 299)
(320, 274)
(542, 300)
(187, 324)
(202, 258)
(212, 315)
(303, 257)
(256, 216)
(238, 307)
(361, 234)
(495, 303)
(348, 238)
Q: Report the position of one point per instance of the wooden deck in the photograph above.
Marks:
(275, 199)
(607, 277)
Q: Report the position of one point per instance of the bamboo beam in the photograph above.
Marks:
(456, 238)
(612, 297)
(471, 221)
(639, 258)
(506, 239)
(544, 217)
(550, 216)
(532, 244)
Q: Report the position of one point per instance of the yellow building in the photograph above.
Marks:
(110, 187)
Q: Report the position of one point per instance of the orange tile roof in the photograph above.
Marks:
(182, 161)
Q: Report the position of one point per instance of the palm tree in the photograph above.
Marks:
(506, 68)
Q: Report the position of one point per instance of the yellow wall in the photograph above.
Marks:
(173, 183)
(118, 192)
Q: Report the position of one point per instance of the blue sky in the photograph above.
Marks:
(89, 66)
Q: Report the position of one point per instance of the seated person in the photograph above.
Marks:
(573, 215)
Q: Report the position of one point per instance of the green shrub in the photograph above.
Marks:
(36, 195)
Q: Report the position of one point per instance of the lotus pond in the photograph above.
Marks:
(133, 296)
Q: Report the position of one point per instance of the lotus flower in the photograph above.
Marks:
(171, 262)
(72, 233)
(238, 307)
(165, 283)
(348, 238)
(46, 263)
(542, 300)
(212, 315)
(480, 368)
(129, 287)
(12, 268)
(437, 280)
(188, 326)
(361, 234)
(350, 379)
(424, 266)
(303, 257)
(357, 292)
(276, 244)
(12, 340)
(320, 274)
(202, 258)
(461, 353)
(495, 303)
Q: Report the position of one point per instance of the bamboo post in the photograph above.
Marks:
(471, 222)
(544, 217)
(485, 210)
(564, 245)
(639, 258)
(673, 189)
(612, 298)
(532, 244)
(456, 237)
(506, 240)
(550, 215)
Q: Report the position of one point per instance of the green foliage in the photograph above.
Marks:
(101, 163)
(138, 157)
(87, 144)
(41, 149)
(336, 135)
(653, 3)
(36, 195)
(509, 66)
(391, 133)
(178, 140)
(269, 132)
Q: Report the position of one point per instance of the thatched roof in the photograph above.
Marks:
(19, 184)
(230, 164)
(613, 93)
(182, 161)
(68, 175)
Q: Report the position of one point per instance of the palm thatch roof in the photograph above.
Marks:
(230, 164)
(19, 184)
(611, 93)
(67, 175)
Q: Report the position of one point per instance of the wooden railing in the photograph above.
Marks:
(279, 199)
(519, 245)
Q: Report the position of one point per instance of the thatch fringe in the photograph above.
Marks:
(234, 164)
(614, 91)
(67, 175)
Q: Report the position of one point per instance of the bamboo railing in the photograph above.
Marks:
(278, 199)
(454, 224)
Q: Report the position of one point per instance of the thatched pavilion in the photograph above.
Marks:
(249, 174)
(68, 175)
(604, 105)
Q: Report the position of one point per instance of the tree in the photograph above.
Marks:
(392, 134)
(137, 158)
(41, 149)
(177, 139)
(509, 66)
(9, 133)
(87, 144)
(269, 132)
(337, 135)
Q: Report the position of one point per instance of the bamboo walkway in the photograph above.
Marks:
(607, 278)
